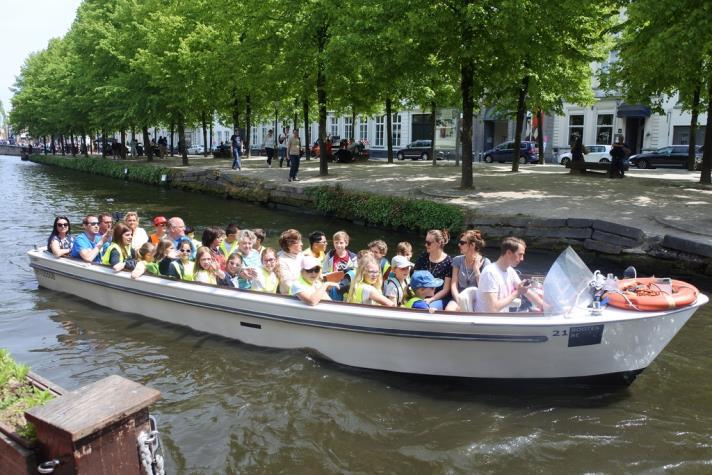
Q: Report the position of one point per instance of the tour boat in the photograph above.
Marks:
(575, 337)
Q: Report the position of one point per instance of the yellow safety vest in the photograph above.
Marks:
(303, 281)
(357, 296)
(184, 271)
(270, 281)
(126, 251)
(411, 302)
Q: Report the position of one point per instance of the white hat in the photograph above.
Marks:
(310, 262)
(398, 262)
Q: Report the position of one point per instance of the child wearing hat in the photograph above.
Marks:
(423, 285)
(395, 286)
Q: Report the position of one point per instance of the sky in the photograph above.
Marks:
(27, 26)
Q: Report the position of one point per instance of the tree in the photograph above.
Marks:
(665, 49)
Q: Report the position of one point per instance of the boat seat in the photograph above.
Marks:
(466, 299)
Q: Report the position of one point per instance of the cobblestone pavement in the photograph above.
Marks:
(659, 202)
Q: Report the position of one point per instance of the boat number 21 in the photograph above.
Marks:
(560, 333)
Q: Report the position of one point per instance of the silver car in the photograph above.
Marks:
(595, 154)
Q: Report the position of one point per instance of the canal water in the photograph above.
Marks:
(233, 408)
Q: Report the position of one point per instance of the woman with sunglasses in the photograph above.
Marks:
(439, 264)
(183, 268)
(467, 266)
(119, 251)
(309, 287)
(60, 240)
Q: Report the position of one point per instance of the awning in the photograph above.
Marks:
(633, 110)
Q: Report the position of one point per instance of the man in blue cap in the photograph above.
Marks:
(423, 285)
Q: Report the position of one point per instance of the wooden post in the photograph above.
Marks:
(94, 429)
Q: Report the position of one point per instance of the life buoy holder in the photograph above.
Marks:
(647, 295)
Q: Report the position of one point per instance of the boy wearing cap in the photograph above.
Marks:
(423, 284)
(395, 286)
(308, 287)
(159, 222)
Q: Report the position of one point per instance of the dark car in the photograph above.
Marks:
(415, 150)
(672, 156)
(528, 153)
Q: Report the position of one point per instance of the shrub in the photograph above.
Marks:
(139, 172)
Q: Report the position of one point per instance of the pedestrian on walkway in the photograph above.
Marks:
(294, 148)
(619, 152)
(236, 148)
(283, 137)
(577, 158)
(269, 147)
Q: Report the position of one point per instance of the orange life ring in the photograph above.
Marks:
(645, 294)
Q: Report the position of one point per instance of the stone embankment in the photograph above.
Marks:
(629, 244)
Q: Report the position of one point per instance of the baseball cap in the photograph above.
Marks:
(310, 262)
(423, 278)
(159, 220)
(398, 262)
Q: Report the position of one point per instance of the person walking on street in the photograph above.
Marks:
(294, 148)
(269, 147)
(619, 152)
(236, 148)
(577, 158)
(283, 137)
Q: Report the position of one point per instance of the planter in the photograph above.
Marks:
(17, 454)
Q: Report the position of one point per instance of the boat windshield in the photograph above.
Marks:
(566, 282)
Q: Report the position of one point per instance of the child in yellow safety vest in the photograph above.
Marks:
(367, 284)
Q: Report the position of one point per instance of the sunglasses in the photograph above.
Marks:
(186, 251)
(462, 243)
(313, 270)
(93, 223)
(62, 225)
(271, 259)
(428, 243)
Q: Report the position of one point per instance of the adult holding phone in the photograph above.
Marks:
(294, 149)
(500, 284)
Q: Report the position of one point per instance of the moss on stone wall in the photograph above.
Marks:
(138, 172)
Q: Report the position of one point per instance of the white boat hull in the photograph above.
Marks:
(500, 346)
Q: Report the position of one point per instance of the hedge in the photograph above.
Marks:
(138, 172)
(386, 211)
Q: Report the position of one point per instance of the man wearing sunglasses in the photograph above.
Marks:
(87, 245)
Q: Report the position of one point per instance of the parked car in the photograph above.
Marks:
(596, 154)
(420, 149)
(674, 156)
(222, 151)
(196, 150)
(528, 153)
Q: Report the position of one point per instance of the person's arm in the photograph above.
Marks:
(90, 254)
(534, 298)
(379, 298)
(442, 293)
(495, 304)
(316, 293)
(454, 282)
(56, 250)
(138, 270)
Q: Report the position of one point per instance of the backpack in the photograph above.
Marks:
(281, 138)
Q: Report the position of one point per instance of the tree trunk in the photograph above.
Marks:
(235, 116)
(248, 126)
(432, 131)
(307, 134)
(62, 144)
(706, 175)
(181, 141)
(693, 127)
(86, 147)
(468, 106)
(52, 145)
(211, 134)
(321, 99)
(173, 132)
(103, 144)
(147, 145)
(540, 134)
(205, 134)
(44, 144)
(389, 128)
(123, 144)
(353, 125)
(521, 113)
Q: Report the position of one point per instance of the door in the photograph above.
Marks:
(634, 133)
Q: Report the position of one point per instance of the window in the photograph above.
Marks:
(380, 127)
(254, 135)
(348, 128)
(604, 129)
(363, 128)
(396, 129)
(575, 128)
(333, 126)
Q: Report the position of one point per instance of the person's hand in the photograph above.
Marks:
(523, 287)
(428, 300)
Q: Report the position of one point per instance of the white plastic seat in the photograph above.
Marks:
(466, 299)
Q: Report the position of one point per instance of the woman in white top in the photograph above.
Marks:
(290, 259)
(140, 237)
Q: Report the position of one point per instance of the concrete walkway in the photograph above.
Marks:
(659, 202)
